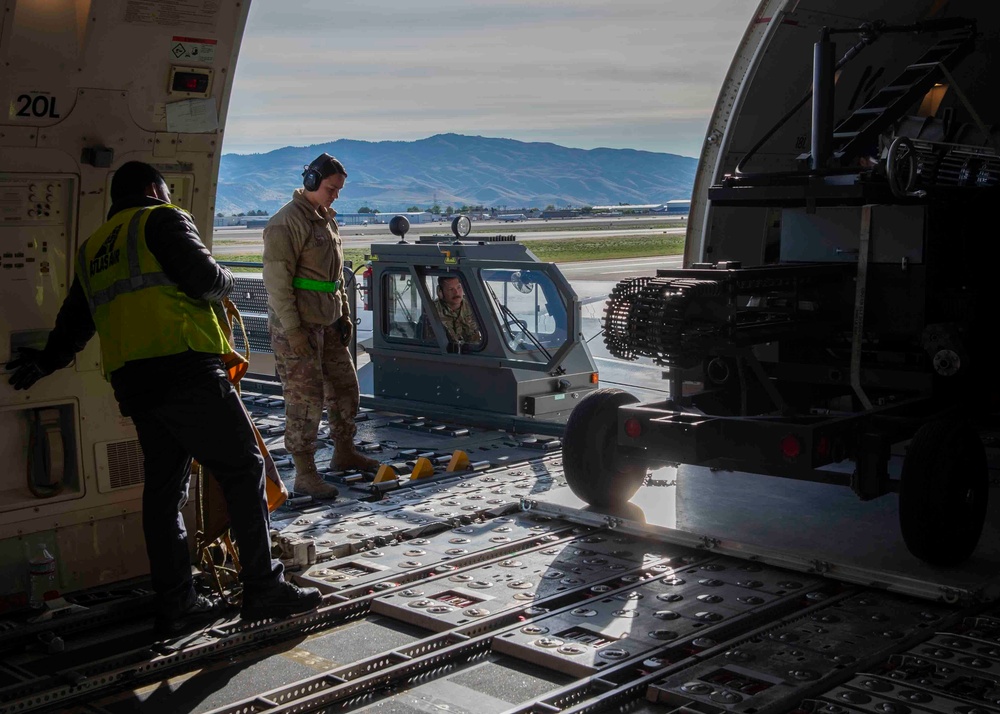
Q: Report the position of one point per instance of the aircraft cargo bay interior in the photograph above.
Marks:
(762, 477)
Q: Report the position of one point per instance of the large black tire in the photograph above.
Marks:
(597, 469)
(943, 492)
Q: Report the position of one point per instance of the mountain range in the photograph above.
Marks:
(455, 170)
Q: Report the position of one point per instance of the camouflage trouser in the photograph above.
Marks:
(325, 378)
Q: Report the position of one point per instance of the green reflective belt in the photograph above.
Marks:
(320, 286)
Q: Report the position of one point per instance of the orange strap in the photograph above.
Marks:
(236, 364)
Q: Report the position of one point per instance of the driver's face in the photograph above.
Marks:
(451, 293)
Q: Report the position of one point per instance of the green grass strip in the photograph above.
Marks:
(606, 247)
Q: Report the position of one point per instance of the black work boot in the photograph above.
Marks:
(281, 601)
(202, 610)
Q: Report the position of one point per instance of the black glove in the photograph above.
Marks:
(29, 366)
(346, 328)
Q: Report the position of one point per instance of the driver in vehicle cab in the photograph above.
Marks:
(456, 314)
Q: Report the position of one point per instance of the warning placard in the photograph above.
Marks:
(192, 49)
(189, 13)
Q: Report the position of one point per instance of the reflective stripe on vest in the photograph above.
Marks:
(138, 311)
(136, 279)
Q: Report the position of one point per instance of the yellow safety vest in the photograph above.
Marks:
(139, 312)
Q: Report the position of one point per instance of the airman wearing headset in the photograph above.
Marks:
(310, 323)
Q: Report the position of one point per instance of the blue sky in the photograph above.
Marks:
(634, 74)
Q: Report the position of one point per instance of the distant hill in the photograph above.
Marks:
(457, 170)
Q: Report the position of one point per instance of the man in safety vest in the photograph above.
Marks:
(311, 326)
(145, 283)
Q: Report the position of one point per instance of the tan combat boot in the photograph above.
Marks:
(308, 480)
(346, 457)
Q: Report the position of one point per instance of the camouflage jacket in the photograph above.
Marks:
(303, 242)
(460, 324)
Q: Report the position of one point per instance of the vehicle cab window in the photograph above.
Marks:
(401, 307)
(528, 307)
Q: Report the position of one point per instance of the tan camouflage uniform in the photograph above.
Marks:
(302, 241)
(325, 378)
(461, 324)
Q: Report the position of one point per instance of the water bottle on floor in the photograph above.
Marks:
(42, 574)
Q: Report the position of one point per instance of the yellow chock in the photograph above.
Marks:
(459, 461)
(385, 473)
(422, 469)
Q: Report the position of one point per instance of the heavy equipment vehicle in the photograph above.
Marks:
(836, 299)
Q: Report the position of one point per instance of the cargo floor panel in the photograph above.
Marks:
(486, 687)
(797, 524)
(495, 590)
(267, 668)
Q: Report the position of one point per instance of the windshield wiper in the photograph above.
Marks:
(509, 315)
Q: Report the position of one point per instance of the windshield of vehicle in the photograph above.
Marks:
(529, 308)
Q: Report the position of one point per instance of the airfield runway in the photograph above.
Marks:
(237, 240)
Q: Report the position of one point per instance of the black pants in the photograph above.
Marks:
(204, 420)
